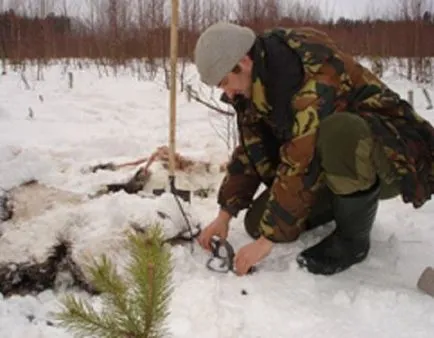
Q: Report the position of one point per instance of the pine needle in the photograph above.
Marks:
(135, 305)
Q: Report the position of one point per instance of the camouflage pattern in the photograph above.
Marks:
(348, 167)
(352, 160)
(278, 139)
(320, 214)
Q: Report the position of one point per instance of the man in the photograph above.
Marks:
(326, 137)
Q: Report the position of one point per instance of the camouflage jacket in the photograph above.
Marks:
(278, 128)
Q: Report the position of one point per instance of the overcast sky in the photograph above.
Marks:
(356, 8)
(330, 8)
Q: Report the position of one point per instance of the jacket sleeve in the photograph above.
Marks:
(246, 172)
(250, 163)
(239, 184)
(293, 189)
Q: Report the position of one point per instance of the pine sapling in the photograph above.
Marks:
(133, 306)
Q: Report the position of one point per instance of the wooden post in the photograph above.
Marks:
(428, 98)
(173, 64)
(188, 89)
(70, 80)
(411, 97)
(184, 194)
(26, 83)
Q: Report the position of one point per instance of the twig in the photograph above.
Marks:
(132, 163)
(221, 135)
(196, 97)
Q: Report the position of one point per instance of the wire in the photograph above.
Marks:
(184, 214)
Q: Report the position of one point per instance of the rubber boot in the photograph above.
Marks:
(349, 243)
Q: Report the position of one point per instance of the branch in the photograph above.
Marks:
(196, 97)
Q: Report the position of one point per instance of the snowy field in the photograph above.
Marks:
(53, 134)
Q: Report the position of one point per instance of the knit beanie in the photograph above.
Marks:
(219, 48)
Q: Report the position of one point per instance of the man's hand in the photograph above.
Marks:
(219, 227)
(251, 254)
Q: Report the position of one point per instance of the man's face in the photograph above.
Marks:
(239, 81)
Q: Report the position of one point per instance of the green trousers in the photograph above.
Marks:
(351, 160)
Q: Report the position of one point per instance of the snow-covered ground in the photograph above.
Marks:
(118, 119)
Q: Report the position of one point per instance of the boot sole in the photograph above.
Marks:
(316, 268)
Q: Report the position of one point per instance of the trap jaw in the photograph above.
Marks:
(222, 259)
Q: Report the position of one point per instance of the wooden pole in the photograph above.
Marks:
(173, 64)
(184, 194)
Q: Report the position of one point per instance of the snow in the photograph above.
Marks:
(121, 118)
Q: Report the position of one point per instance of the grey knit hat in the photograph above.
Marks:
(219, 48)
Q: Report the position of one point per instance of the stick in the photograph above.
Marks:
(208, 105)
(173, 64)
(136, 162)
(428, 98)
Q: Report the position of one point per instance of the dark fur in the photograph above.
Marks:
(134, 185)
(6, 211)
(31, 277)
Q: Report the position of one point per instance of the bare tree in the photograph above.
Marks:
(159, 38)
(40, 9)
(412, 12)
(272, 11)
(412, 9)
(213, 11)
(3, 51)
(189, 26)
(114, 38)
(249, 11)
(305, 12)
